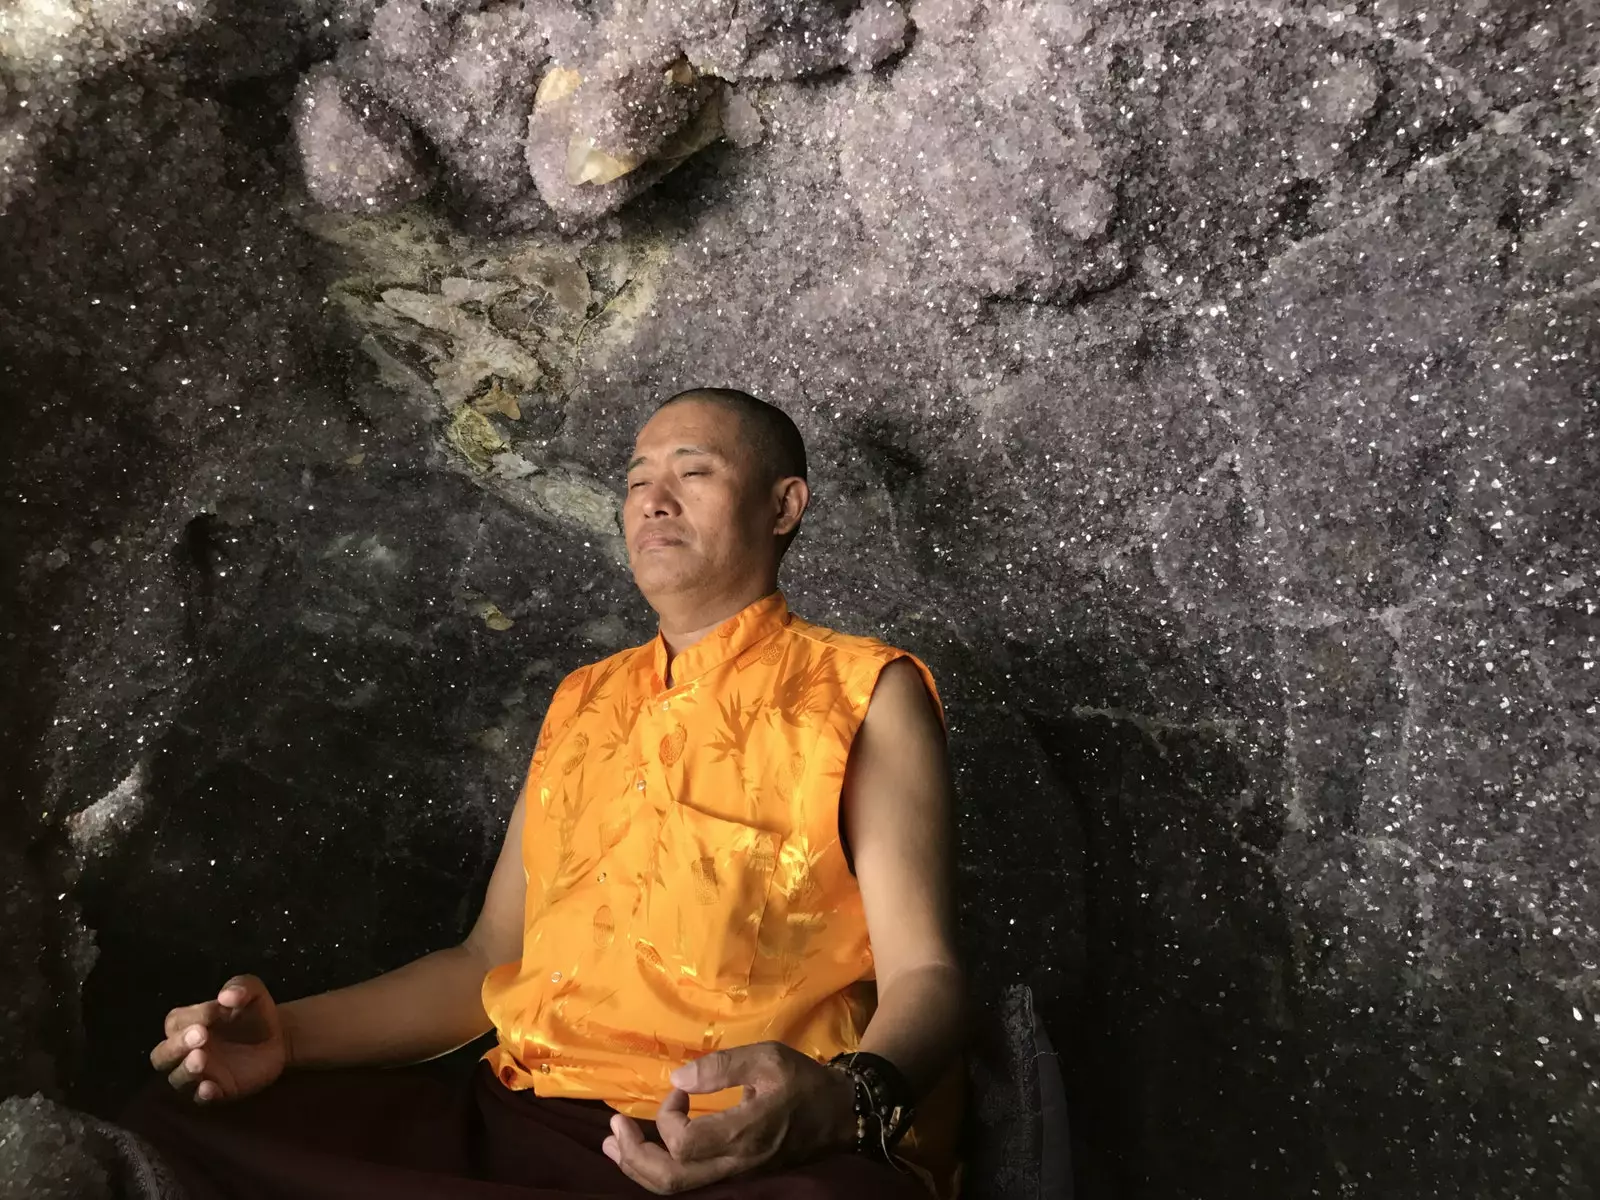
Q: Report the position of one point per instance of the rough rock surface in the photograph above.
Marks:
(49, 1153)
(1206, 390)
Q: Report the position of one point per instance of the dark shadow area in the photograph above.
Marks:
(1190, 1025)
(328, 800)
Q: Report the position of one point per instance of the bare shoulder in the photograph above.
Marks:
(902, 704)
(901, 687)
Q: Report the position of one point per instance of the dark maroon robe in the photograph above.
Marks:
(418, 1132)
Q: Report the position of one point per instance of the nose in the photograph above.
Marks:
(657, 500)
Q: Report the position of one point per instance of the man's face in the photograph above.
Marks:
(698, 516)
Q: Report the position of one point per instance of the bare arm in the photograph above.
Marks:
(898, 814)
(240, 1042)
(425, 1008)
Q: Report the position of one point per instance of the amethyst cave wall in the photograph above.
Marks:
(1207, 391)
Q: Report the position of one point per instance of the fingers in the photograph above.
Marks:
(169, 1052)
(705, 1074)
(201, 1075)
(623, 1130)
(180, 1019)
(186, 1028)
(240, 991)
(672, 1118)
(188, 1071)
(742, 1066)
(654, 1168)
(745, 1132)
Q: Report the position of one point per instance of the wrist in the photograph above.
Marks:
(882, 1102)
(843, 1127)
(288, 1023)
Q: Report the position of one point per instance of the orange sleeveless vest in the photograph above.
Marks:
(687, 889)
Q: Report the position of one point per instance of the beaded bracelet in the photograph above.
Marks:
(883, 1103)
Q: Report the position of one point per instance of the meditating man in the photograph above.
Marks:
(717, 947)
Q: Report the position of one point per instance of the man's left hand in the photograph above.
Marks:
(794, 1109)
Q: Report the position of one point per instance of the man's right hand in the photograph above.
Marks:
(227, 1048)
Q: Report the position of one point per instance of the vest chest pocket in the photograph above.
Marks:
(704, 897)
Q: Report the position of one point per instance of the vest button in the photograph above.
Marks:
(555, 976)
(640, 785)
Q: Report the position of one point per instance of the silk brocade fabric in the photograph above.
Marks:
(687, 889)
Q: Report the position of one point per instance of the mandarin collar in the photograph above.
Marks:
(726, 642)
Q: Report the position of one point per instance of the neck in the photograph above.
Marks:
(685, 620)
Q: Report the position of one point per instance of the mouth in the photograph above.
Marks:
(657, 541)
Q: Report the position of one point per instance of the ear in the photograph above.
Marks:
(791, 496)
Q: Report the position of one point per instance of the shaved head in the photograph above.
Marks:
(716, 492)
(779, 450)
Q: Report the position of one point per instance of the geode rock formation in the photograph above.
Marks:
(50, 1152)
(1207, 391)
